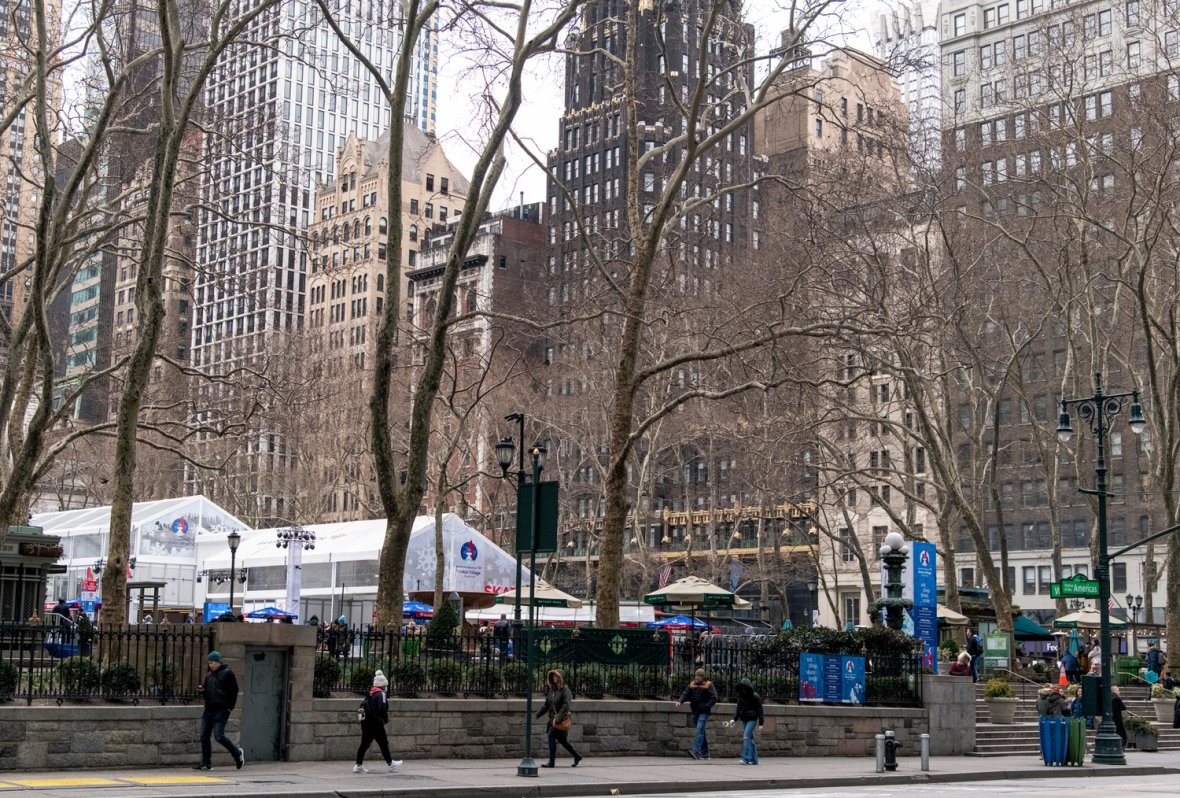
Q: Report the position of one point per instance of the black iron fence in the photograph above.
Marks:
(634, 664)
(63, 662)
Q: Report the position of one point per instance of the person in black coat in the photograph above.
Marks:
(220, 691)
(1117, 708)
(558, 702)
(749, 713)
(373, 715)
(701, 695)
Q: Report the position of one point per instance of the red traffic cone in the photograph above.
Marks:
(1061, 679)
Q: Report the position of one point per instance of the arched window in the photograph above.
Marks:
(346, 231)
(380, 282)
(383, 226)
(368, 226)
(471, 301)
(336, 233)
(413, 232)
(356, 229)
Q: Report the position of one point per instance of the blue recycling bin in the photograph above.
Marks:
(1054, 740)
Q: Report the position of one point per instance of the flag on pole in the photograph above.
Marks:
(1110, 603)
(735, 574)
(665, 575)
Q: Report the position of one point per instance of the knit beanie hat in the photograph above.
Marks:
(379, 680)
(215, 656)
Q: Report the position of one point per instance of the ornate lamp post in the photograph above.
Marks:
(813, 602)
(894, 551)
(1098, 411)
(504, 451)
(295, 540)
(234, 539)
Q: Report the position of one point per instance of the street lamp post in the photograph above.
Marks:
(504, 451)
(812, 602)
(295, 540)
(1098, 411)
(894, 551)
(234, 539)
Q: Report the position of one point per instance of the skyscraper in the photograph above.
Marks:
(907, 37)
(277, 117)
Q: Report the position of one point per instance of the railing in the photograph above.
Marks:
(480, 665)
(61, 662)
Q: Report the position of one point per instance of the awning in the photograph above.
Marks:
(1024, 628)
(948, 617)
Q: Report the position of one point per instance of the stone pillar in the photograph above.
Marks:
(950, 707)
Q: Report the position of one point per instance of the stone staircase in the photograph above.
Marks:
(1022, 737)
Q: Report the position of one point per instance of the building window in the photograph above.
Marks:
(847, 550)
(1044, 578)
(1118, 577)
(967, 577)
(819, 128)
(959, 63)
(960, 101)
(851, 609)
(430, 182)
(1132, 12)
(960, 24)
(1029, 574)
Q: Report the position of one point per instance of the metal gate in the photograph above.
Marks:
(264, 705)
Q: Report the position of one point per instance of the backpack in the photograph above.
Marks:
(973, 646)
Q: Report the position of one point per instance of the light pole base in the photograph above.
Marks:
(528, 767)
(1108, 747)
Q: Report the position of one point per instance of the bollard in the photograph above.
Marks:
(891, 746)
(880, 753)
(925, 752)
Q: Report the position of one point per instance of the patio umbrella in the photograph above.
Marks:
(949, 617)
(678, 622)
(1075, 642)
(417, 609)
(1088, 618)
(271, 612)
(544, 595)
(696, 593)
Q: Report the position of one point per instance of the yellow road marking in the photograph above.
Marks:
(72, 782)
(174, 780)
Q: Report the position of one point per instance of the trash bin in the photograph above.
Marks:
(1076, 746)
(1054, 739)
(1091, 687)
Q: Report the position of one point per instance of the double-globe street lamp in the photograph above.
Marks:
(1098, 411)
(894, 552)
(504, 451)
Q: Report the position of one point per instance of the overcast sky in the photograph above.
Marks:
(537, 122)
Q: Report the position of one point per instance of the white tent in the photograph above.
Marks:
(473, 563)
(640, 615)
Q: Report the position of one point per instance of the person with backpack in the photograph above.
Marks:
(1072, 667)
(373, 715)
(975, 649)
(701, 696)
(502, 633)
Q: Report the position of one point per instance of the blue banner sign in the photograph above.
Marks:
(925, 571)
(214, 609)
(831, 679)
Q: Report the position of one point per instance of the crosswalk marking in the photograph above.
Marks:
(77, 781)
(157, 780)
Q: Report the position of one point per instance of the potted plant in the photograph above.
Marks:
(1141, 734)
(1001, 700)
(1164, 701)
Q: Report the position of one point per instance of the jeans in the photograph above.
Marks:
(213, 724)
(975, 669)
(701, 743)
(556, 737)
(749, 747)
(369, 733)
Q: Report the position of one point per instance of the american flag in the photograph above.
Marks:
(665, 575)
(1110, 603)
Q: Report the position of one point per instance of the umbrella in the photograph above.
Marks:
(417, 609)
(694, 592)
(949, 617)
(1024, 628)
(678, 622)
(544, 595)
(271, 612)
(1088, 618)
(1075, 642)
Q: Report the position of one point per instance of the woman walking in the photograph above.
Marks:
(748, 713)
(373, 715)
(558, 703)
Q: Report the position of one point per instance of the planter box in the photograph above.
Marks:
(1002, 710)
(1144, 742)
(1164, 709)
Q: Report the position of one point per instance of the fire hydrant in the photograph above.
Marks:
(891, 746)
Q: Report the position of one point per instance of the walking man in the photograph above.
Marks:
(502, 632)
(975, 649)
(701, 695)
(221, 696)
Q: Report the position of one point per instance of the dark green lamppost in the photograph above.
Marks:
(894, 551)
(1098, 411)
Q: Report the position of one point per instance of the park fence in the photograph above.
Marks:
(63, 662)
(594, 662)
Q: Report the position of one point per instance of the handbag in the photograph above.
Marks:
(564, 723)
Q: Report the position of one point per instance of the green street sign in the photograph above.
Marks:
(547, 513)
(1077, 586)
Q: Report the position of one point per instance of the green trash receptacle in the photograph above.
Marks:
(1091, 688)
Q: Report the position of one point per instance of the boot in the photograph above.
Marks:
(549, 764)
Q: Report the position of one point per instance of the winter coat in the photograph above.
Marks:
(1055, 704)
(558, 698)
(749, 704)
(221, 690)
(701, 696)
(1176, 715)
(376, 708)
(1069, 662)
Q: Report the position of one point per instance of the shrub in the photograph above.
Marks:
(514, 676)
(1161, 693)
(327, 673)
(779, 688)
(441, 633)
(446, 675)
(999, 688)
(1137, 725)
(9, 678)
(361, 679)
(163, 678)
(78, 676)
(120, 679)
(949, 649)
(623, 683)
(591, 681)
(407, 678)
(484, 680)
(652, 684)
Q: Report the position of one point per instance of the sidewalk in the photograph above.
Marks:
(439, 778)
